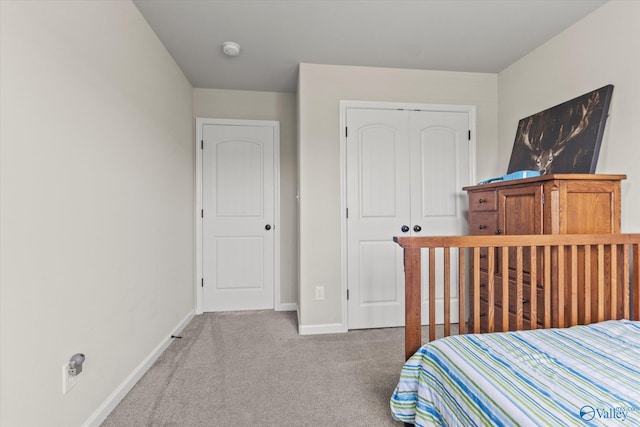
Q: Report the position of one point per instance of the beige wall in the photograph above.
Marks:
(603, 48)
(96, 208)
(249, 105)
(321, 88)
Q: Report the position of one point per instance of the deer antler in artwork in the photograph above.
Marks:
(586, 111)
(525, 136)
(544, 157)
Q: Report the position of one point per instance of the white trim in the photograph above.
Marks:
(375, 105)
(100, 414)
(200, 122)
(198, 220)
(286, 306)
(329, 328)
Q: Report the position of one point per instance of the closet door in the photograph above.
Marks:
(379, 205)
(440, 167)
(405, 173)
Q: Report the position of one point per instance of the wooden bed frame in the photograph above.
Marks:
(608, 263)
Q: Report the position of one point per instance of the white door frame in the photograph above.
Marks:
(200, 122)
(376, 105)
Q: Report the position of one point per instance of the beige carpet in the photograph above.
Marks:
(252, 368)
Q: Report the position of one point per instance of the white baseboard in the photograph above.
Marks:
(330, 328)
(288, 306)
(121, 391)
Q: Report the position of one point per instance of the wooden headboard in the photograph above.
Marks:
(580, 279)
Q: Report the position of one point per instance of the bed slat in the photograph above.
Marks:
(533, 294)
(635, 288)
(573, 296)
(587, 284)
(462, 301)
(601, 282)
(447, 291)
(432, 293)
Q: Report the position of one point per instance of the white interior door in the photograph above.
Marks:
(440, 167)
(238, 217)
(405, 173)
(379, 204)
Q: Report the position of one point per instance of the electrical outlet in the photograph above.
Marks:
(68, 381)
(319, 292)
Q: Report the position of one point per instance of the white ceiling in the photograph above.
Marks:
(277, 35)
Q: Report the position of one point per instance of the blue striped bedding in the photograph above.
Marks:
(584, 375)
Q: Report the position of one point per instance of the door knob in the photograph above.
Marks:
(404, 228)
(267, 227)
(417, 228)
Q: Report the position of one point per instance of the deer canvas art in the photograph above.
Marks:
(565, 138)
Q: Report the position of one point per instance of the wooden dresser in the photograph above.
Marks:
(548, 204)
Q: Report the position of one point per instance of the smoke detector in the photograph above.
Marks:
(231, 48)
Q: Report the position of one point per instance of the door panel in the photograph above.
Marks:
(238, 200)
(438, 172)
(403, 168)
(230, 259)
(239, 188)
(440, 167)
(378, 197)
(378, 171)
(375, 273)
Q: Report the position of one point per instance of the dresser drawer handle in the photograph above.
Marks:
(482, 227)
(499, 231)
(481, 201)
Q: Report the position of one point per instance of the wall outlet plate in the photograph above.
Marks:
(68, 381)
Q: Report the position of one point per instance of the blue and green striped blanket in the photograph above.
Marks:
(584, 375)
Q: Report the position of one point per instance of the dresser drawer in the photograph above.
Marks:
(483, 223)
(483, 201)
